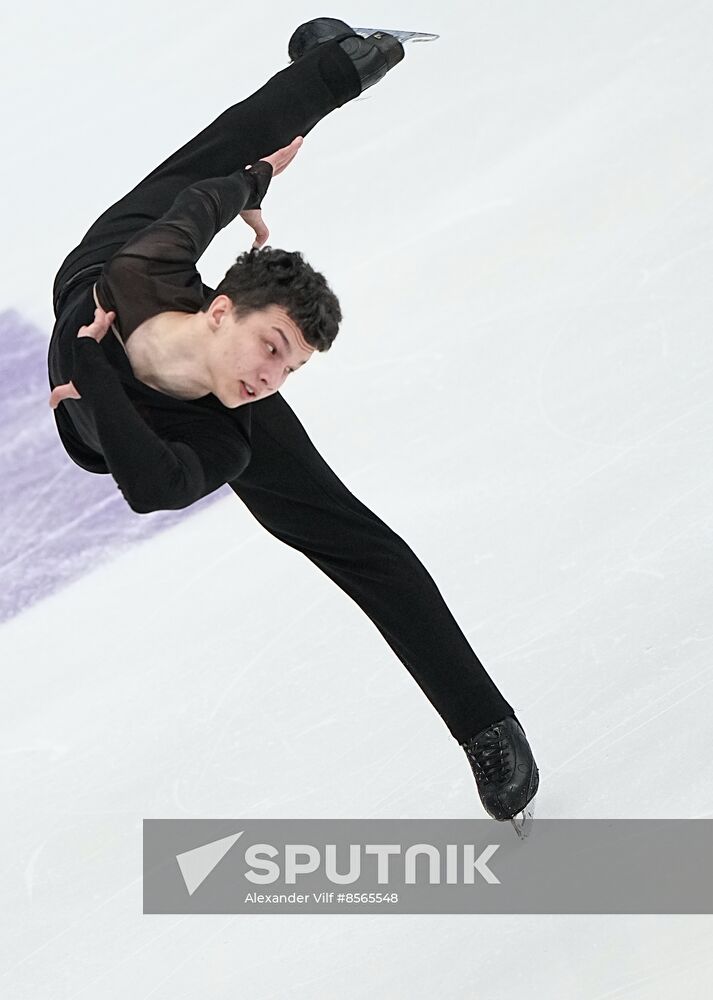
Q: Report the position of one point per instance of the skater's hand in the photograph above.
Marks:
(100, 325)
(97, 329)
(253, 217)
(279, 161)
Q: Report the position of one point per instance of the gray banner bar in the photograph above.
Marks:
(427, 866)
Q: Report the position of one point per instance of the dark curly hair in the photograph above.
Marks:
(270, 276)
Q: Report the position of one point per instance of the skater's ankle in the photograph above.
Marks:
(339, 73)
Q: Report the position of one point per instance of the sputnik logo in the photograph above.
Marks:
(197, 864)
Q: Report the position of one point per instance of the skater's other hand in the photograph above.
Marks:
(253, 217)
(279, 161)
(96, 329)
(282, 158)
(66, 391)
(99, 326)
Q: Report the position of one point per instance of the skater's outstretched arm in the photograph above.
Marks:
(171, 246)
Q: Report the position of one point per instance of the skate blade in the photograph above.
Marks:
(403, 36)
(523, 821)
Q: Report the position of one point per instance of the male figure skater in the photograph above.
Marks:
(173, 387)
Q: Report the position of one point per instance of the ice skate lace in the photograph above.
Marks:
(490, 757)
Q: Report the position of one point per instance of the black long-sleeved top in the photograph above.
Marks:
(163, 452)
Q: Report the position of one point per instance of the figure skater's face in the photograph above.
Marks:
(255, 353)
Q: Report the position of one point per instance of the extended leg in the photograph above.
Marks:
(292, 492)
(291, 103)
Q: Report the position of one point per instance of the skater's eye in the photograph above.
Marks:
(274, 350)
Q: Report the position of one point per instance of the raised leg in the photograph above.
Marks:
(291, 103)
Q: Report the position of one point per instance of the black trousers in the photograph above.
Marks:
(288, 487)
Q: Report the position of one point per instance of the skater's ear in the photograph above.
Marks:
(220, 308)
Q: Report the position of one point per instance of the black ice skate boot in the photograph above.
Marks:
(321, 29)
(505, 772)
(373, 57)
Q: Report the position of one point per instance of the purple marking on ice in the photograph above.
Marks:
(58, 521)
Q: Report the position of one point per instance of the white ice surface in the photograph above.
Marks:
(521, 388)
